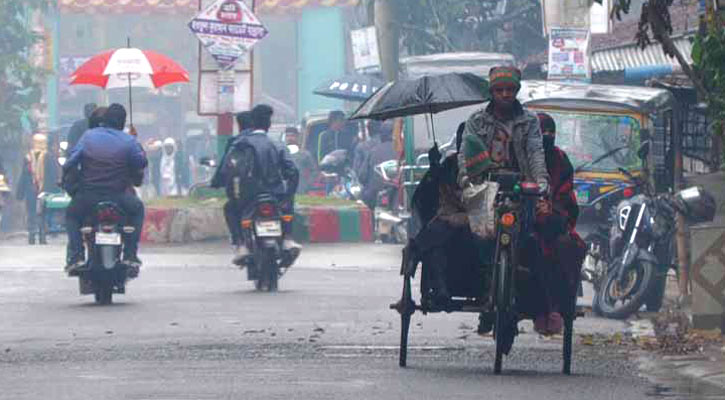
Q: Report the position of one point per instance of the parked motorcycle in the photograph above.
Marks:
(339, 177)
(104, 234)
(391, 219)
(628, 263)
(264, 235)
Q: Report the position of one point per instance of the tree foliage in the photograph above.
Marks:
(436, 26)
(19, 88)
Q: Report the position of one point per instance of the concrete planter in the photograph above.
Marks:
(319, 224)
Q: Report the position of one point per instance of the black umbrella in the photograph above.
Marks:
(355, 87)
(425, 95)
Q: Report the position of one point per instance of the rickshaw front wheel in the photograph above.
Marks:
(503, 331)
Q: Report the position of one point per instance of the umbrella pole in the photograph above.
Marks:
(433, 129)
(130, 100)
(130, 95)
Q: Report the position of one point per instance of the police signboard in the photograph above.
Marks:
(227, 29)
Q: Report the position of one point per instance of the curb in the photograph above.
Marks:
(312, 224)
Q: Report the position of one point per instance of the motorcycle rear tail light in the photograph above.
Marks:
(266, 209)
(384, 201)
(107, 228)
(246, 223)
(628, 192)
(108, 216)
(288, 218)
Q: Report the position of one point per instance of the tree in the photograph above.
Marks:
(437, 26)
(19, 88)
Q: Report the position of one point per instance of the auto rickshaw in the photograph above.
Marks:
(601, 127)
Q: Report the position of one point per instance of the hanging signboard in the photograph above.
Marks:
(569, 57)
(221, 91)
(227, 29)
(365, 48)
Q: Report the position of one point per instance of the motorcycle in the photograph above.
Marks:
(391, 219)
(339, 177)
(104, 234)
(628, 263)
(264, 235)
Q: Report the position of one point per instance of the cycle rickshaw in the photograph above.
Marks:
(514, 212)
(496, 282)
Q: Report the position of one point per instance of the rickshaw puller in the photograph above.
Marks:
(505, 135)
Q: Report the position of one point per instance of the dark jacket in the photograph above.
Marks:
(219, 178)
(76, 132)
(108, 160)
(262, 165)
(26, 187)
(528, 147)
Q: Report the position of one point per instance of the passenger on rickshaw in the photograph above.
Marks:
(445, 244)
(561, 247)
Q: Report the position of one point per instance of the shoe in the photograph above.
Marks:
(133, 265)
(485, 326)
(74, 266)
(240, 254)
(289, 245)
(540, 324)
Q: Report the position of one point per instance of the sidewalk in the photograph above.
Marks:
(701, 358)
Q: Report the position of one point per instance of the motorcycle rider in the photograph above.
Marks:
(259, 166)
(381, 151)
(505, 135)
(109, 160)
(223, 178)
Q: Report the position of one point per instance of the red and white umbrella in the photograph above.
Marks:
(129, 67)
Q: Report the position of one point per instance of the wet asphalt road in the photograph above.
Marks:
(192, 328)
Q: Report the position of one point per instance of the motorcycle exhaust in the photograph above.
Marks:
(386, 216)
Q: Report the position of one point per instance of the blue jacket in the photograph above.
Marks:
(107, 157)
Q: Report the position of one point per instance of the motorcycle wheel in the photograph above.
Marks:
(103, 294)
(657, 294)
(642, 282)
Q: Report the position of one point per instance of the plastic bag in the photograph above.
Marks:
(479, 200)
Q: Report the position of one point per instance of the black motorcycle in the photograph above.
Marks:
(104, 234)
(339, 177)
(628, 263)
(264, 236)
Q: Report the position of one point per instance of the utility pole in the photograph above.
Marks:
(388, 32)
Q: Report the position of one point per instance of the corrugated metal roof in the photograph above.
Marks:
(618, 58)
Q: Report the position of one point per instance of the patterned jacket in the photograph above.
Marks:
(527, 145)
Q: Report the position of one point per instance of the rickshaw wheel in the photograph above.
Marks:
(406, 308)
(502, 329)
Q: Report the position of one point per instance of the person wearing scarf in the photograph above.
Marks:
(561, 247)
(33, 180)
